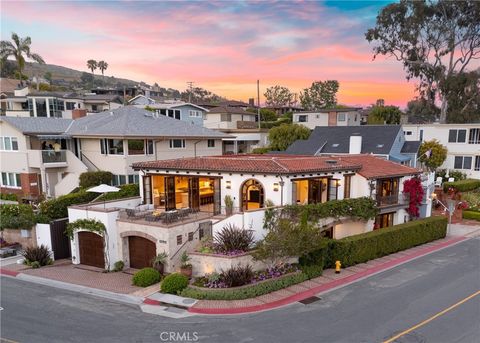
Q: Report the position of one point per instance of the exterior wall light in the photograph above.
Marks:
(275, 187)
(228, 184)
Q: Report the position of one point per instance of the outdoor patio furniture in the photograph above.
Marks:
(438, 182)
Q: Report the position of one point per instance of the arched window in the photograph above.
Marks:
(252, 195)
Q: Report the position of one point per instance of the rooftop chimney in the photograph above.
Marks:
(355, 145)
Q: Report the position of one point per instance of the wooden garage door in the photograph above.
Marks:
(91, 249)
(142, 252)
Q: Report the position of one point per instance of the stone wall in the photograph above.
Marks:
(208, 263)
(14, 235)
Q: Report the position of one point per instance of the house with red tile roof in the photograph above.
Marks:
(185, 199)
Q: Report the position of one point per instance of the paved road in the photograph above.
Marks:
(371, 310)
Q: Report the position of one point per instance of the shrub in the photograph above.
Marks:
(10, 197)
(58, 208)
(237, 276)
(41, 218)
(118, 266)
(174, 283)
(472, 199)
(261, 150)
(16, 217)
(246, 292)
(312, 271)
(95, 178)
(126, 191)
(40, 255)
(462, 185)
(456, 174)
(146, 277)
(368, 246)
(471, 214)
(232, 239)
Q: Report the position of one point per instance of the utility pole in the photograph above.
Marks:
(190, 89)
(258, 105)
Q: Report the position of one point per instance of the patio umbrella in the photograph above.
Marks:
(103, 189)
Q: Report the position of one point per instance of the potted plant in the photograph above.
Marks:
(159, 262)
(185, 267)
(228, 205)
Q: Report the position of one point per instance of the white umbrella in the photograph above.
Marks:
(103, 188)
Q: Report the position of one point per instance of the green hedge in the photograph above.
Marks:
(471, 214)
(95, 178)
(368, 246)
(247, 291)
(10, 197)
(462, 185)
(174, 283)
(146, 277)
(58, 208)
(16, 217)
(126, 191)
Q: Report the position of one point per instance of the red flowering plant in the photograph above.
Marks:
(413, 187)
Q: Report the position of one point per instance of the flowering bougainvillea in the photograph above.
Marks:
(413, 187)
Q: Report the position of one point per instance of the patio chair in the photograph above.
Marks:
(451, 179)
(438, 182)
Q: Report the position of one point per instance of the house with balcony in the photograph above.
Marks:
(239, 123)
(348, 116)
(26, 103)
(37, 157)
(461, 140)
(183, 200)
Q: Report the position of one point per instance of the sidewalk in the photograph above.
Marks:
(328, 281)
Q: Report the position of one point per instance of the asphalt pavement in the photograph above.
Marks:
(371, 310)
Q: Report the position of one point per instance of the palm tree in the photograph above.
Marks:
(92, 65)
(18, 49)
(102, 65)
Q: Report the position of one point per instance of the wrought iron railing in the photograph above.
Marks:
(393, 200)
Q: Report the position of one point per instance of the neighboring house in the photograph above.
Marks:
(25, 103)
(461, 140)
(385, 141)
(109, 141)
(29, 168)
(180, 110)
(239, 123)
(188, 195)
(281, 110)
(113, 140)
(328, 117)
(225, 103)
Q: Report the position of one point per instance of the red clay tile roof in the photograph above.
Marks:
(375, 167)
(366, 165)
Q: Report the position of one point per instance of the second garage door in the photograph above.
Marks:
(142, 252)
(91, 249)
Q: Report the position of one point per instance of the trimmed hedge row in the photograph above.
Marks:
(471, 214)
(247, 292)
(368, 246)
(58, 208)
(7, 196)
(462, 185)
(95, 178)
(126, 191)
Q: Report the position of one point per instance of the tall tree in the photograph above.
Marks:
(384, 115)
(421, 111)
(281, 137)
(92, 65)
(102, 65)
(278, 96)
(432, 154)
(463, 95)
(19, 49)
(321, 94)
(433, 40)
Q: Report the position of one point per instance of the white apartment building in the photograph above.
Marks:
(461, 140)
(328, 117)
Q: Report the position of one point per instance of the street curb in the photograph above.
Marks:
(8, 272)
(332, 284)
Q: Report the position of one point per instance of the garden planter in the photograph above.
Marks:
(187, 271)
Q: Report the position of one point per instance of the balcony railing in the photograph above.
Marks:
(52, 156)
(400, 199)
(247, 125)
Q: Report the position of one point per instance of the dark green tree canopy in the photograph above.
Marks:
(321, 94)
(384, 115)
(281, 137)
(278, 96)
(422, 111)
(463, 95)
(433, 40)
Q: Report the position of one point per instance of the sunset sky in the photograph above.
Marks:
(221, 46)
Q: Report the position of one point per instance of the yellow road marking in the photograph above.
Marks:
(432, 318)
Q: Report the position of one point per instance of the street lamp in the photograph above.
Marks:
(452, 205)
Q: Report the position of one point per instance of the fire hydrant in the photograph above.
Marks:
(338, 266)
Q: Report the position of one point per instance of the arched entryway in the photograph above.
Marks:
(141, 252)
(90, 246)
(252, 195)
